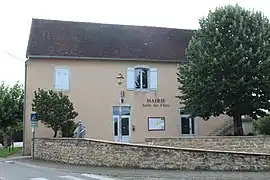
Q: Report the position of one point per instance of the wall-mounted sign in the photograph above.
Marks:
(156, 124)
(155, 102)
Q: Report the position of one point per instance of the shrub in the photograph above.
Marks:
(263, 125)
(68, 128)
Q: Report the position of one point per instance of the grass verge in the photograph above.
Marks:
(5, 151)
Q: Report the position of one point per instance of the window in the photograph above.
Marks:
(125, 110)
(187, 125)
(141, 78)
(61, 81)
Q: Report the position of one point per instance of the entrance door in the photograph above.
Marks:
(125, 127)
(187, 125)
(124, 131)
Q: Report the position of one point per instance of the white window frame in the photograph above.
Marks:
(141, 79)
(54, 82)
(152, 79)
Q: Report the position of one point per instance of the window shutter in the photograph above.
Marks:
(65, 79)
(130, 83)
(57, 79)
(153, 79)
(61, 79)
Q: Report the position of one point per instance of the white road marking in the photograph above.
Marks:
(40, 178)
(1, 178)
(10, 162)
(97, 177)
(70, 177)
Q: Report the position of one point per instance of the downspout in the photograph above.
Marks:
(24, 108)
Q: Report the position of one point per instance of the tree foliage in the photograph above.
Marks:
(68, 129)
(262, 125)
(11, 106)
(228, 66)
(11, 109)
(54, 109)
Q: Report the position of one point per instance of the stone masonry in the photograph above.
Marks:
(114, 154)
(255, 144)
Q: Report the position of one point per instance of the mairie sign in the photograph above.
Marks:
(33, 120)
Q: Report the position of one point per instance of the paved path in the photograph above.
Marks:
(28, 168)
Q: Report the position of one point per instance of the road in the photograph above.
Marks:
(28, 169)
(14, 171)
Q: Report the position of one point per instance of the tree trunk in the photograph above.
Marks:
(11, 139)
(55, 133)
(5, 140)
(238, 128)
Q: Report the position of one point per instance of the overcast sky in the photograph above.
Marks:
(16, 15)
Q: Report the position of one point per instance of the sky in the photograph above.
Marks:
(16, 16)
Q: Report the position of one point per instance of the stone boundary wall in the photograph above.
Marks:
(112, 154)
(259, 144)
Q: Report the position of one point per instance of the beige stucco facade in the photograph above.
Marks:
(94, 91)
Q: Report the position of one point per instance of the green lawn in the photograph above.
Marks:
(5, 151)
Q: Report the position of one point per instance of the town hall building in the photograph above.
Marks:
(86, 61)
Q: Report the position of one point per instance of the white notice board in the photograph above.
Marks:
(156, 123)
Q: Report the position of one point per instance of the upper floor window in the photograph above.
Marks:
(141, 78)
(62, 81)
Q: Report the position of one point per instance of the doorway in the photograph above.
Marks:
(124, 128)
(187, 125)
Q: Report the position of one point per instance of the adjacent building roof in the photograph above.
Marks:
(53, 38)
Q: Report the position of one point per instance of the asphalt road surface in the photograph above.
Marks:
(27, 169)
(13, 171)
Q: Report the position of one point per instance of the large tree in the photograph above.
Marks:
(54, 109)
(228, 69)
(11, 108)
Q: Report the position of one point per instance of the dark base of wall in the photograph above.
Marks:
(196, 169)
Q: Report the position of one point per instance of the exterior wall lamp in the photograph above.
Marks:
(120, 79)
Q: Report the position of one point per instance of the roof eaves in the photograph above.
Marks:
(102, 58)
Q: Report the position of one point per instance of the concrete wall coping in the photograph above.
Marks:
(159, 147)
(210, 137)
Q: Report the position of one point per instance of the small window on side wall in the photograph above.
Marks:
(156, 123)
(141, 78)
(62, 79)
